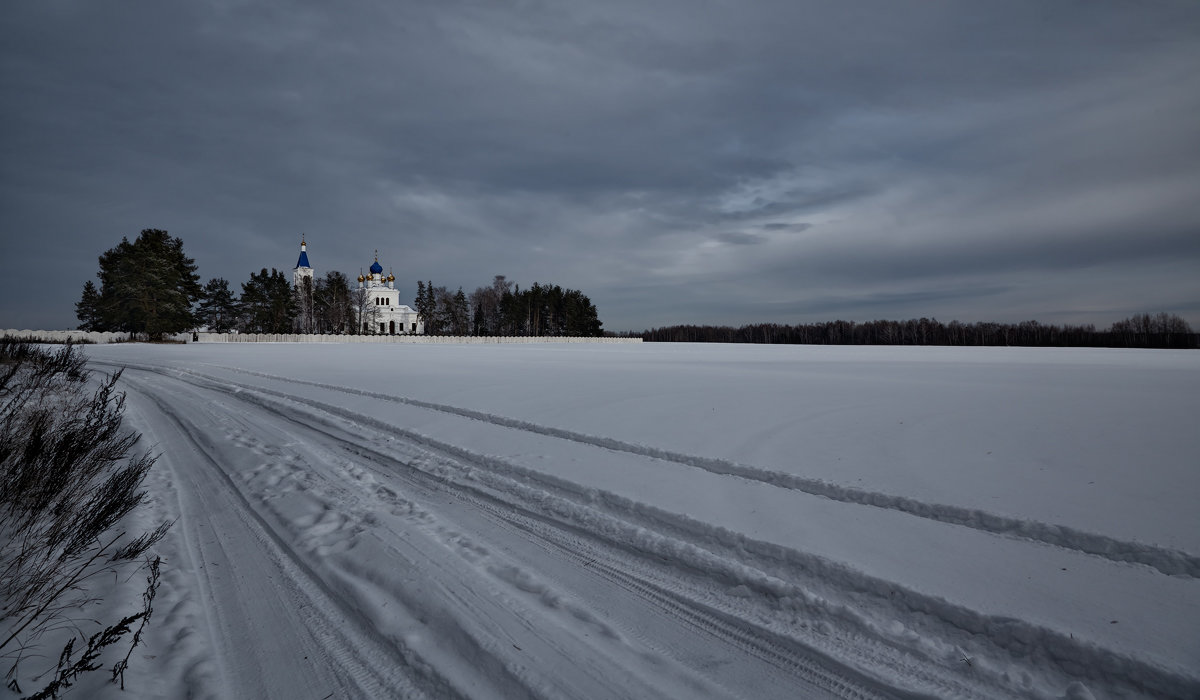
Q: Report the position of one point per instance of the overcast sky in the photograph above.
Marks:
(679, 162)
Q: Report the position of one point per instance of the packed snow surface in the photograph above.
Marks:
(668, 520)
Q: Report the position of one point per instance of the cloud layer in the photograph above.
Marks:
(678, 162)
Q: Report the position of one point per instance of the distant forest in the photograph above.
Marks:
(1143, 331)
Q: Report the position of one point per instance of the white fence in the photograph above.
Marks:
(75, 336)
(97, 337)
(412, 339)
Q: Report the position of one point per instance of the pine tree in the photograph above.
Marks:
(460, 313)
(441, 310)
(579, 315)
(87, 309)
(422, 305)
(477, 322)
(267, 304)
(434, 311)
(146, 287)
(218, 307)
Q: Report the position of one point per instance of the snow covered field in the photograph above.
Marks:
(685, 521)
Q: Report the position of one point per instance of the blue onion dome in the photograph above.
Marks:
(376, 268)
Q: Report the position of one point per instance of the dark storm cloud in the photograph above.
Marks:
(795, 228)
(741, 238)
(679, 162)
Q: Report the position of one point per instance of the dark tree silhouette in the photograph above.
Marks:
(147, 287)
(268, 304)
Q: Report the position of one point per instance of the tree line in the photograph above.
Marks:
(149, 287)
(504, 309)
(1160, 330)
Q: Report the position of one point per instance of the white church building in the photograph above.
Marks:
(381, 310)
(377, 308)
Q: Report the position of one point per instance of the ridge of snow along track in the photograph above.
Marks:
(361, 660)
(809, 671)
(771, 576)
(775, 577)
(1168, 561)
(817, 673)
(404, 600)
(518, 507)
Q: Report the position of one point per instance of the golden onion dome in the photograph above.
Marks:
(391, 278)
(362, 279)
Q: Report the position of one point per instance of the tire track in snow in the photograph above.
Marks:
(559, 538)
(777, 650)
(640, 529)
(370, 665)
(508, 675)
(506, 511)
(643, 530)
(793, 658)
(776, 577)
(1168, 561)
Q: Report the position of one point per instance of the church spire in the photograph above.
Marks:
(303, 261)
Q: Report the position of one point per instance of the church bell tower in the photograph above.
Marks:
(302, 270)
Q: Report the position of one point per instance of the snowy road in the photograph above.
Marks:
(338, 541)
